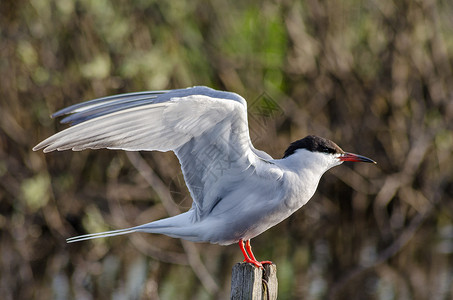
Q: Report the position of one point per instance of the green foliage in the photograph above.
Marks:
(376, 77)
(35, 191)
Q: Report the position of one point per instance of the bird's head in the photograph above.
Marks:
(323, 152)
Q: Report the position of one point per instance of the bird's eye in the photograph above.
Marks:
(327, 150)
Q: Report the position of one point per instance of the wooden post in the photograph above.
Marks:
(249, 283)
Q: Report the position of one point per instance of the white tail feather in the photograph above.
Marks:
(177, 226)
(100, 235)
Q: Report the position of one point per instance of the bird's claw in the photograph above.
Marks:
(248, 255)
(258, 264)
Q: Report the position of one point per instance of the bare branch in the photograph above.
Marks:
(172, 209)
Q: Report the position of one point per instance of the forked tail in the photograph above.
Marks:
(178, 226)
(100, 235)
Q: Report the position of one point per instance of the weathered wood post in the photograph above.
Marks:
(251, 283)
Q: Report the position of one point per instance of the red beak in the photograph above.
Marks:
(355, 157)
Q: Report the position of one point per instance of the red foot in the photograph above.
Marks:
(248, 255)
(255, 262)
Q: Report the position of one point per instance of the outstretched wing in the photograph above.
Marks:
(207, 130)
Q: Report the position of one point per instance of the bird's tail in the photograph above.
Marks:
(177, 226)
(99, 235)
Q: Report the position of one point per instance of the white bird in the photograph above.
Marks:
(238, 191)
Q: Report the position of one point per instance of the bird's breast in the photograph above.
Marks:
(299, 188)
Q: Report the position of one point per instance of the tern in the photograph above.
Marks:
(238, 191)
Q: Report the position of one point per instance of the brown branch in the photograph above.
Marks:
(397, 245)
(395, 181)
(172, 209)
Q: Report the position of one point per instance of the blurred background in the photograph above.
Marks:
(374, 76)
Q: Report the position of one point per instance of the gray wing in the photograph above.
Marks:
(207, 130)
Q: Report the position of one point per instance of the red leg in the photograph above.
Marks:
(241, 245)
(248, 247)
(246, 255)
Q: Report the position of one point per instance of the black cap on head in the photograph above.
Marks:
(314, 143)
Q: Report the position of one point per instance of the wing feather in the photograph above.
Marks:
(207, 130)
